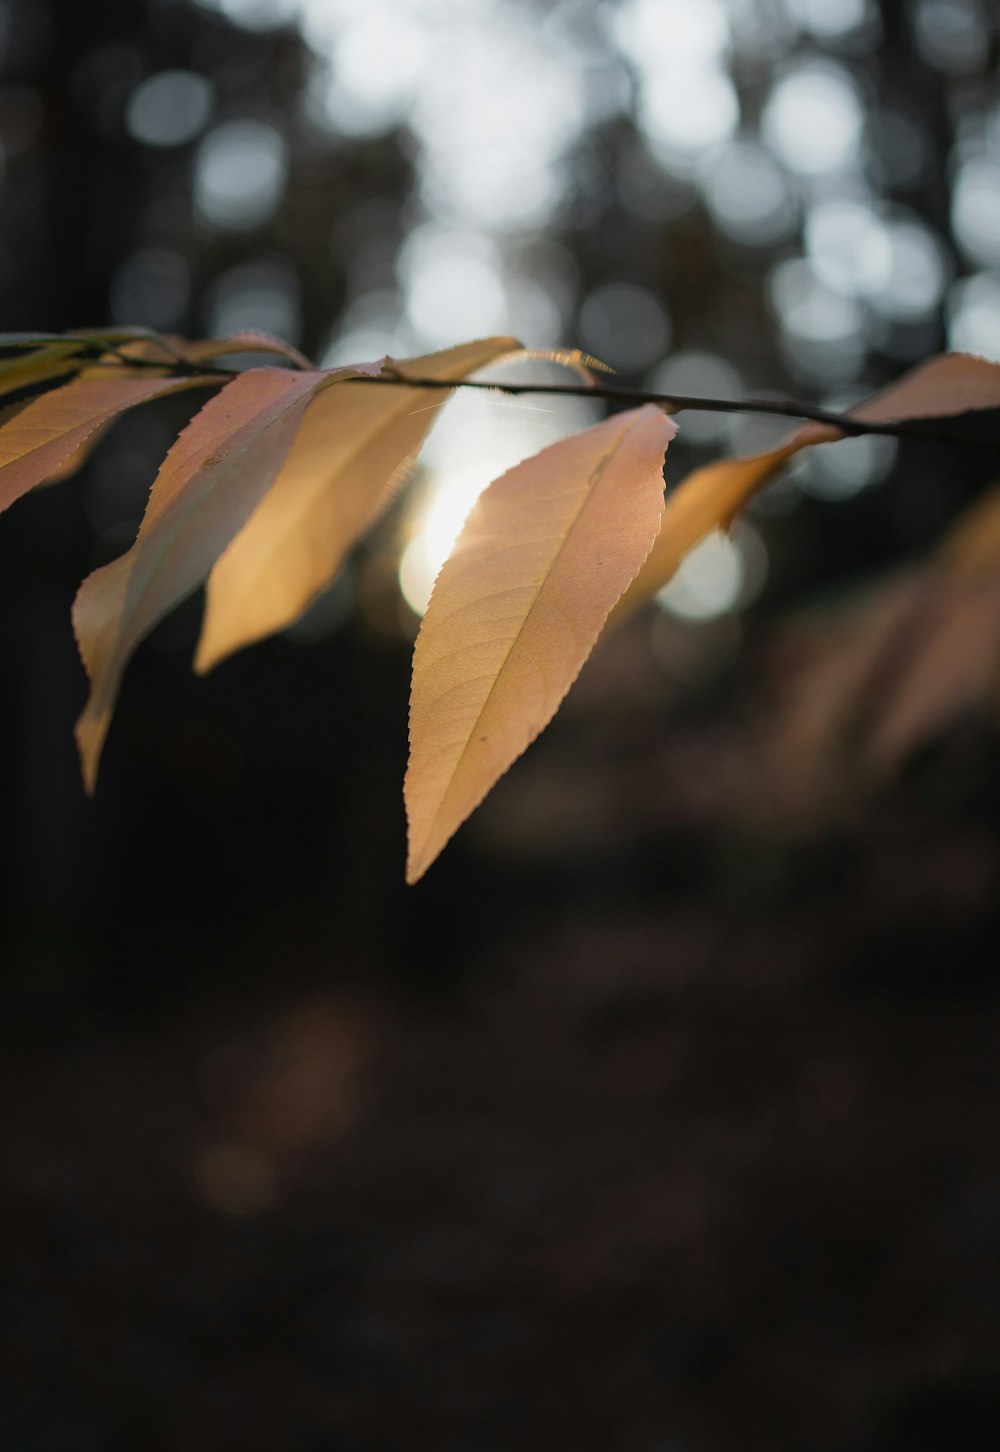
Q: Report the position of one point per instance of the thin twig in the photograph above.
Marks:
(670, 402)
(679, 403)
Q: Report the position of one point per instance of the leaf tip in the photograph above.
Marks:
(90, 735)
(207, 655)
(418, 859)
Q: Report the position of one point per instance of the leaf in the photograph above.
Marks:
(354, 445)
(209, 483)
(944, 667)
(46, 434)
(972, 545)
(543, 556)
(239, 343)
(710, 498)
(889, 673)
(32, 340)
(42, 366)
(945, 660)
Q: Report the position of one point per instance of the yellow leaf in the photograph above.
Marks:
(710, 498)
(209, 483)
(40, 440)
(354, 444)
(544, 555)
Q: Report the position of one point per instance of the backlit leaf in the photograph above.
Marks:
(52, 428)
(206, 489)
(710, 498)
(543, 557)
(355, 443)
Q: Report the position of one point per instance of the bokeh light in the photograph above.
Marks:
(974, 315)
(240, 174)
(975, 210)
(698, 375)
(748, 195)
(726, 571)
(814, 120)
(951, 34)
(169, 109)
(625, 325)
(479, 438)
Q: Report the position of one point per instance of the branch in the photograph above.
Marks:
(669, 402)
(679, 403)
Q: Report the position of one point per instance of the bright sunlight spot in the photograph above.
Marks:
(721, 573)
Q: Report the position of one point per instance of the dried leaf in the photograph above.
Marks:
(36, 444)
(355, 442)
(542, 558)
(209, 483)
(710, 498)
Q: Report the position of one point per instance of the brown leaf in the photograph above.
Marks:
(209, 483)
(355, 443)
(544, 555)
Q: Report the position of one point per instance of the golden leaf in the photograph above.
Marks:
(209, 483)
(544, 555)
(711, 497)
(355, 443)
(42, 437)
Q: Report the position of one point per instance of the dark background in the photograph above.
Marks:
(662, 1115)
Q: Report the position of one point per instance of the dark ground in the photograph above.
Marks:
(711, 1165)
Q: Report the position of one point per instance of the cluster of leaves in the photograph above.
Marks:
(286, 467)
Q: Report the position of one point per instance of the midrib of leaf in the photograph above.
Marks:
(597, 473)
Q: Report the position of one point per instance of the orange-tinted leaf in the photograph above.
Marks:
(710, 498)
(544, 555)
(209, 483)
(942, 387)
(355, 442)
(43, 436)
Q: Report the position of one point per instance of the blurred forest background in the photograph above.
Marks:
(662, 1115)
